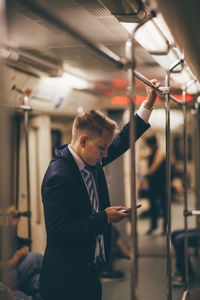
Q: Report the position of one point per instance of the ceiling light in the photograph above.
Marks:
(76, 82)
(183, 78)
(163, 27)
(80, 109)
(156, 38)
(167, 60)
(10, 54)
(148, 36)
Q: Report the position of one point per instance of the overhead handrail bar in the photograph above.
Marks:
(188, 213)
(173, 66)
(175, 100)
(161, 90)
(191, 83)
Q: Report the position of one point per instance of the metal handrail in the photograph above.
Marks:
(134, 242)
(185, 156)
(188, 213)
(26, 109)
(168, 181)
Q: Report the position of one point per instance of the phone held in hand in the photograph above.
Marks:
(128, 210)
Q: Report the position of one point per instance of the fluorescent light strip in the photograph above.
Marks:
(148, 37)
(166, 61)
(76, 82)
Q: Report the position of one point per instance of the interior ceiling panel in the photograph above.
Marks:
(182, 18)
(32, 34)
(125, 10)
(93, 21)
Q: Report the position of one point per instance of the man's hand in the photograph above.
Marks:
(18, 255)
(114, 214)
(151, 94)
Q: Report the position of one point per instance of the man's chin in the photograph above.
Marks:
(93, 164)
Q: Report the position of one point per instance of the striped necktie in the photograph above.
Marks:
(95, 207)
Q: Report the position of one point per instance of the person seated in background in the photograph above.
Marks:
(8, 294)
(23, 267)
(118, 250)
(178, 244)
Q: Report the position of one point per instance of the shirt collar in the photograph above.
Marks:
(80, 163)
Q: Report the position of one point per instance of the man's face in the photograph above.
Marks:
(96, 148)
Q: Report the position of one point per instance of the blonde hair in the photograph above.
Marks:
(93, 122)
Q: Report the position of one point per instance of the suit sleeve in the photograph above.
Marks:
(65, 218)
(121, 142)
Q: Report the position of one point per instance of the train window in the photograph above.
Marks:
(56, 136)
(179, 147)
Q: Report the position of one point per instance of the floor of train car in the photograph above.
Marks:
(152, 277)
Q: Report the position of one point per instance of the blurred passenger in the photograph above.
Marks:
(157, 183)
(77, 209)
(178, 243)
(7, 294)
(23, 266)
(177, 183)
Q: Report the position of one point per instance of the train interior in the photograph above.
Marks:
(61, 58)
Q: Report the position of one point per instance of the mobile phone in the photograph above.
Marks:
(128, 210)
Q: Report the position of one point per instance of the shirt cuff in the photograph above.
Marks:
(144, 113)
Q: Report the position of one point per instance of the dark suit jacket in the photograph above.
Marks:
(71, 227)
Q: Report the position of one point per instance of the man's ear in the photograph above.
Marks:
(83, 140)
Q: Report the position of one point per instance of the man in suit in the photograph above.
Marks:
(79, 232)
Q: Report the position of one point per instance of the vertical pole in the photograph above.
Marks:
(6, 154)
(168, 180)
(38, 176)
(26, 119)
(185, 188)
(134, 241)
(197, 164)
(168, 188)
(17, 161)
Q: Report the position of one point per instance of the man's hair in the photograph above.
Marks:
(93, 122)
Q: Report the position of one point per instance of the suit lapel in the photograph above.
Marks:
(76, 174)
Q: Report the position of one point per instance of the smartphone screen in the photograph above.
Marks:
(129, 209)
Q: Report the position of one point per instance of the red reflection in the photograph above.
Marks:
(119, 100)
(124, 100)
(119, 83)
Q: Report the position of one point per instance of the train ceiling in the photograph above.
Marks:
(32, 37)
(42, 48)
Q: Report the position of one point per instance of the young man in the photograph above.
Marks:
(77, 209)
